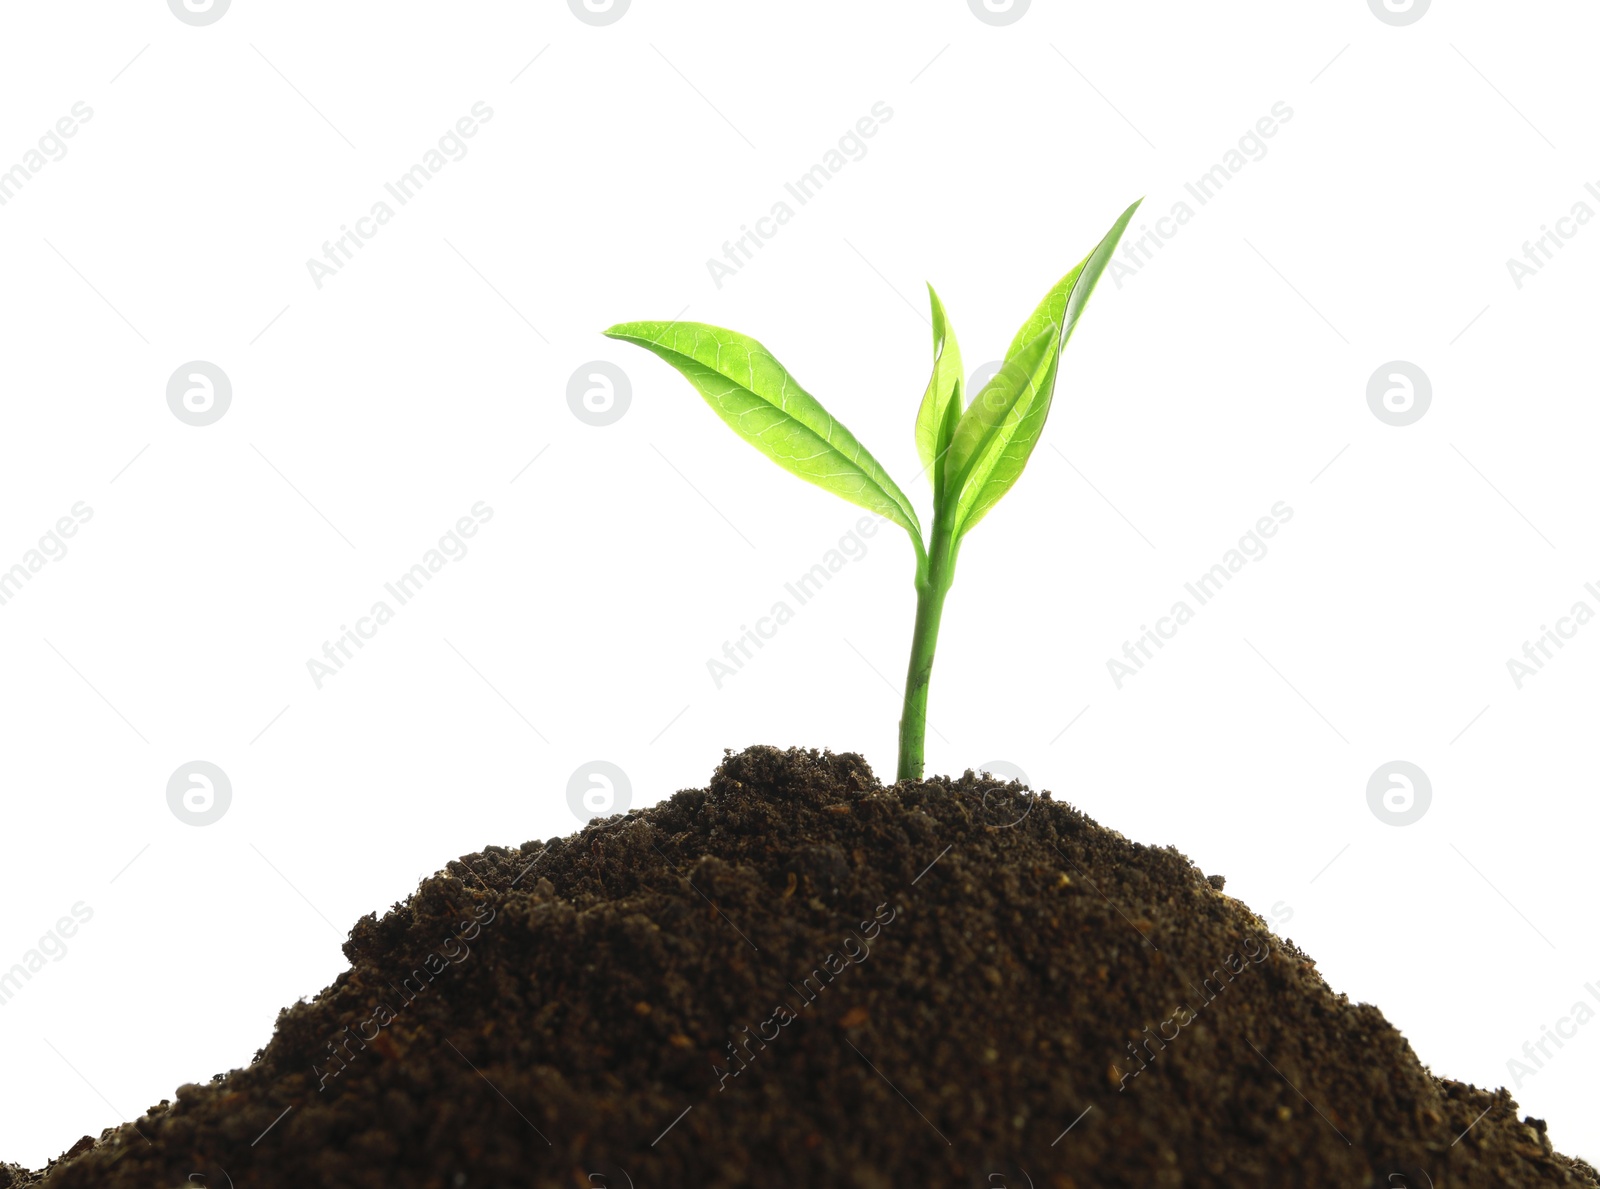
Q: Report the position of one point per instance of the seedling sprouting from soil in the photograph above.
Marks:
(972, 453)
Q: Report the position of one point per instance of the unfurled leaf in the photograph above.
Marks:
(766, 406)
(943, 401)
(997, 433)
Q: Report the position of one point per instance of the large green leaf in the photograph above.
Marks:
(997, 434)
(943, 401)
(765, 405)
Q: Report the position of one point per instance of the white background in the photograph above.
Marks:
(368, 415)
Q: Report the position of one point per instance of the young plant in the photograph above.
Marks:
(971, 453)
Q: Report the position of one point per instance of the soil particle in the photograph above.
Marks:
(797, 976)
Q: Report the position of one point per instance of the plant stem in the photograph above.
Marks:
(932, 586)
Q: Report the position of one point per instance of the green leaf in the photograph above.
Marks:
(1063, 305)
(943, 401)
(765, 405)
(997, 434)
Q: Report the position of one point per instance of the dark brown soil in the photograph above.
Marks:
(800, 977)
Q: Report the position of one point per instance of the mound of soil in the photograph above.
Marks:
(800, 977)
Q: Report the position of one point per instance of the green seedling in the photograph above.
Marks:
(972, 453)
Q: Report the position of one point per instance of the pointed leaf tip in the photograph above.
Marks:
(935, 423)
